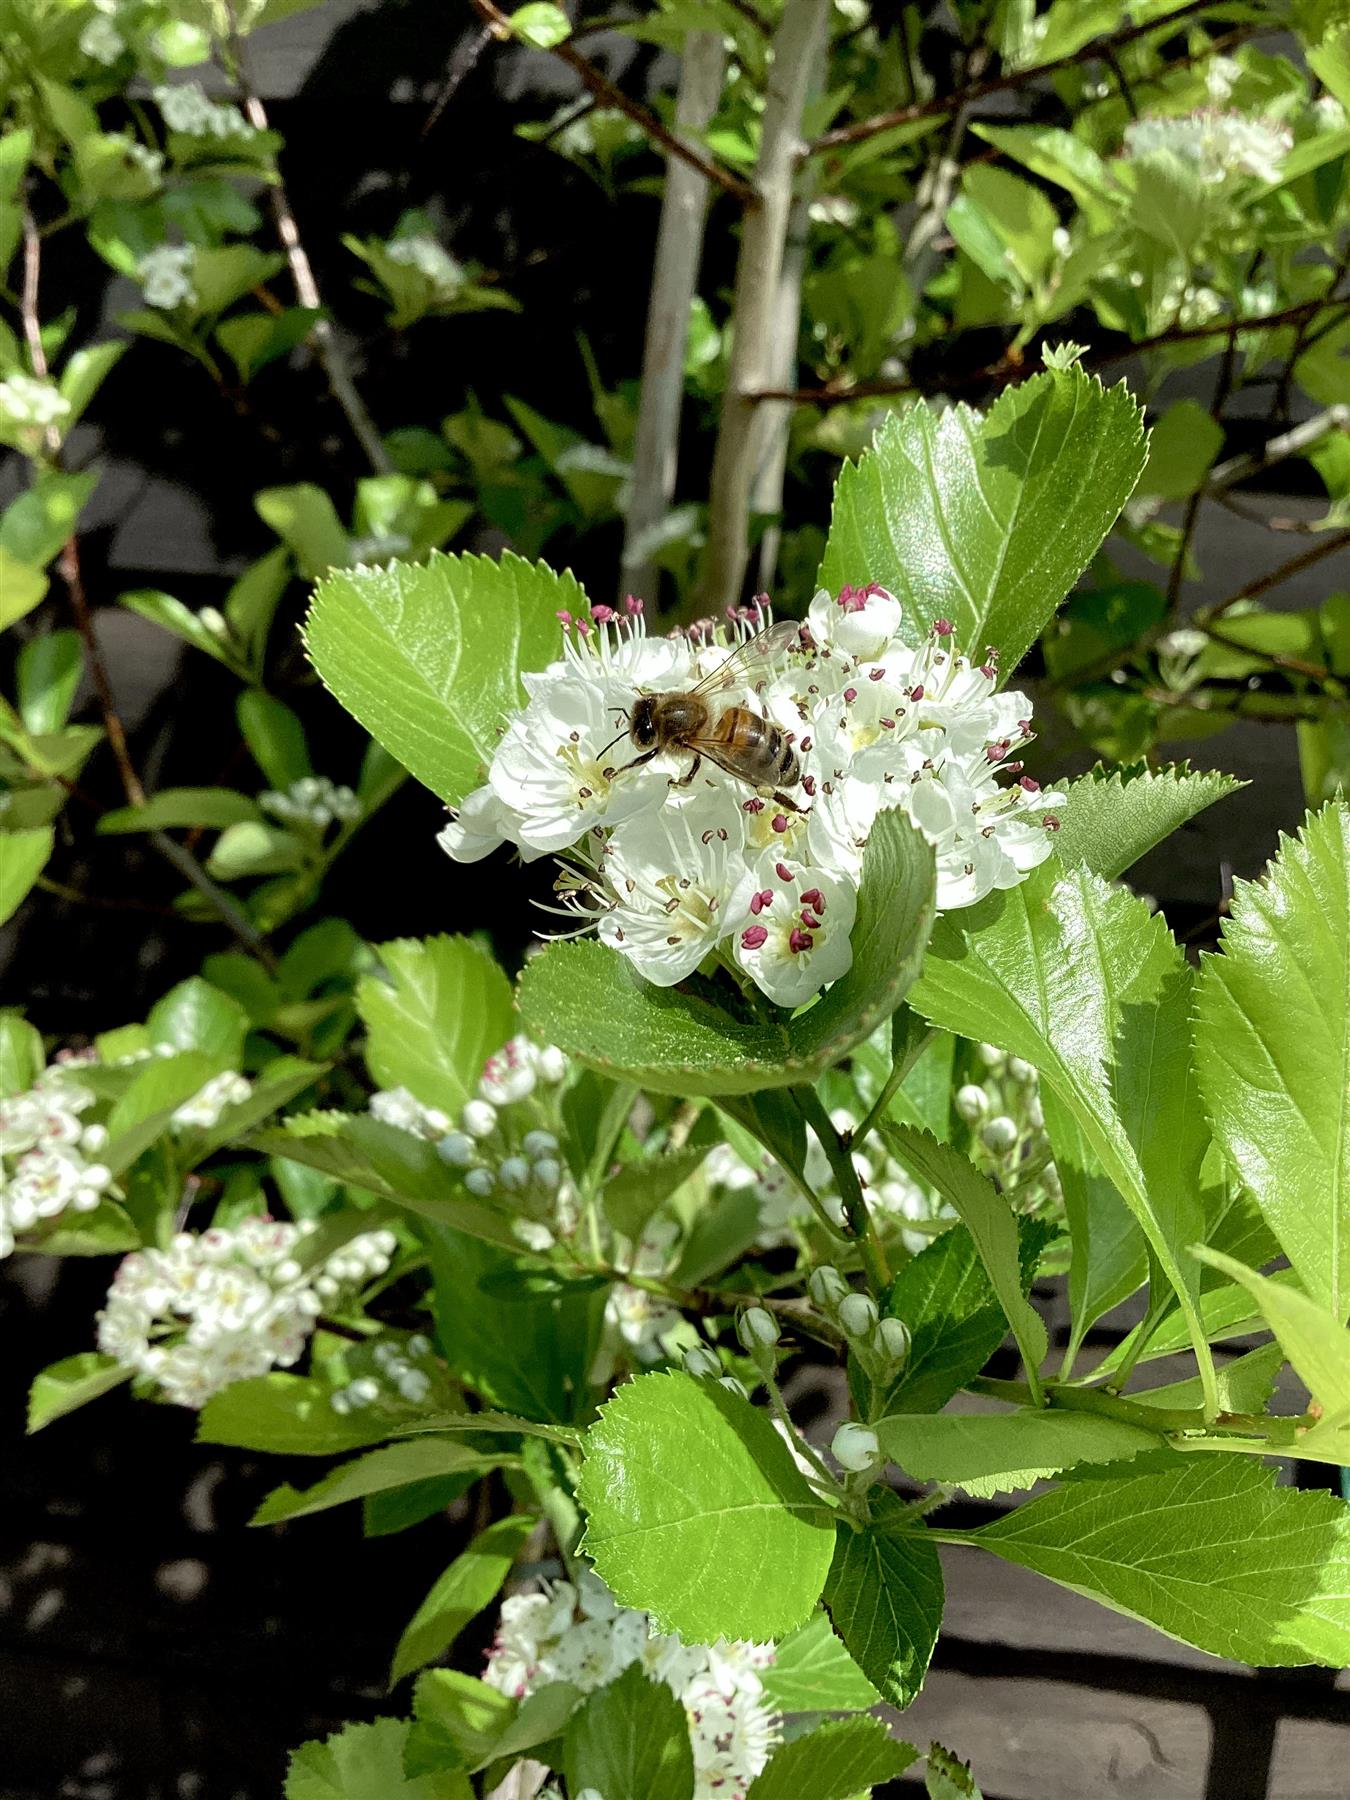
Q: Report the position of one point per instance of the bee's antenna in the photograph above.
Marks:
(610, 745)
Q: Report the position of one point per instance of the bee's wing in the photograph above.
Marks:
(756, 654)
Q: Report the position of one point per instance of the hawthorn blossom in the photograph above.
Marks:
(675, 863)
(48, 1156)
(165, 275)
(1218, 144)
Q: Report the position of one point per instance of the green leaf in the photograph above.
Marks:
(171, 615)
(812, 1672)
(365, 1762)
(23, 857)
(988, 521)
(1317, 1345)
(196, 1016)
(275, 737)
(989, 1219)
(172, 808)
(835, 1762)
(885, 1596)
(21, 588)
(415, 1459)
(990, 1453)
(84, 374)
(954, 1317)
(36, 525)
(588, 1000)
(1112, 818)
(291, 1415)
(432, 1024)
(72, 1382)
(460, 1594)
(631, 1737)
(1272, 1043)
(1080, 980)
(428, 657)
(635, 1193)
(458, 1720)
(540, 25)
(1182, 447)
(21, 1054)
(947, 1777)
(252, 601)
(1245, 1384)
(1109, 1259)
(48, 672)
(1058, 156)
(1214, 1554)
(697, 1514)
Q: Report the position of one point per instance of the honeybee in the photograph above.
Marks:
(738, 739)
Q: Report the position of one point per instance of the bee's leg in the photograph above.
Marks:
(791, 805)
(636, 763)
(687, 778)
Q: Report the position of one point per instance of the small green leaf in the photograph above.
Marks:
(23, 857)
(990, 1453)
(885, 1595)
(835, 1762)
(1272, 1040)
(172, 808)
(1112, 818)
(415, 1459)
(291, 1415)
(365, 1762)
(460, 1594)
(429, 657)
(171, 615)
(540, 25)
(275, 738)
(812, 1672)
(697, 1514)
(947, 1777)
(989, 1219)
(72, 1382)
(988, 521)
(1214, 1554)
(196, 1016)
(432, 1024)
(21, 1054)
(36, 525)
(1317, 1345)
(145, 1111)
(631, 1737)
(48, 672)
(1182, 447)
(1109, 1258)
(588, 1000)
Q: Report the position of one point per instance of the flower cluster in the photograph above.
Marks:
(1003, 1110)
(46, 1155)
(186, 109)
(579, 1635)
(227, 1304)
(313, 801)
(165, 275)
(205, 1107)
(29, 405)
(396, 1366)
(677, 859)
(420, 251)
(1220, 145)
(101, 41)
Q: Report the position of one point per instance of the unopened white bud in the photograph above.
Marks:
(418, 1345)
(827, 1287)
(479, 1181)
(757, 1329)
(551, 1063)
(972, 1102)
(479, 1118)
(856, 1448)
(548, 1172)
(857, 1314)
(365, 1391)
(514, 1173)
(539, 1143)
(93, 1137)
(456, 1148)
(895, 1341)
(699, 1360)
(991, 1056)
(730, 1383)
(1035, 1112)
(999, 1135)
(1020, 1070)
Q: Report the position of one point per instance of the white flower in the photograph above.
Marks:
(794, 938)
(481, 826)
(420, 251)
(205, 1107)
(1220, 145)
(101, 41)
(47, 1164)
(165, 275)
(186, 109)
(29, 407)
(313, 800)
(859, 621)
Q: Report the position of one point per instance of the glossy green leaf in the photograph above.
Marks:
(588, 999)
(1214, 1554)
(35, 526)
(1111, 818)
(812, 1672)
(631, 1737)
(194, 628)
(885, 1595)
(292, 1415)
(172, 808)
(415, 1459)
(196, 1016)
(1109, 1257)
(541, 25)
(48, 671)
(1272, 1041)
(946, 1777)
(441, 1009)
(835, 1762)
(988, 521)
(991, 1453)
(1317, 1344)
(697, 1514)
(365, 1762)
(275, 738)
(460, 1594)
(21, 1054)
(145, 1111)
(428, 657)
(1181, 450)
(305, 519)
(72, 1382)
(23, 857)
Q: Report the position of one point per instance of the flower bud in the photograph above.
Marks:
(756, 1329)
(456, 1148)
(827, 1287)
(551, 1063)
(479, 1181)
(365, 1391)
(1019, 1070)
(479, 1118)
(730, 1383)
(895, 1342)
(514, 1173)
(548, 1172)
(991, 1056)
(856, 1448)
(999, 1135)
(972, 1103)
(700, 1361)
(539, 1143)
(857, 1314)
(1035, 1112)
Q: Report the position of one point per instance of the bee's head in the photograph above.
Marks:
(642, 725)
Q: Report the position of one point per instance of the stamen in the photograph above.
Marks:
(754, 937)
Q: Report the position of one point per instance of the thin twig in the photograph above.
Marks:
(327, 345)
(1278, 449)
(461, 65)
(1095, 48)
(1222, 388)
(1329, 546)
(609, 95)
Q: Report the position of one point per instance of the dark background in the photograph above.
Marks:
(151, 1648)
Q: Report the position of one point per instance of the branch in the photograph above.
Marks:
(1328, 546)
(679, 248)
(609, 95)
(1099, 47)
(327, 345)
(1278, 449)
(798, 45)
(1222, 388)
